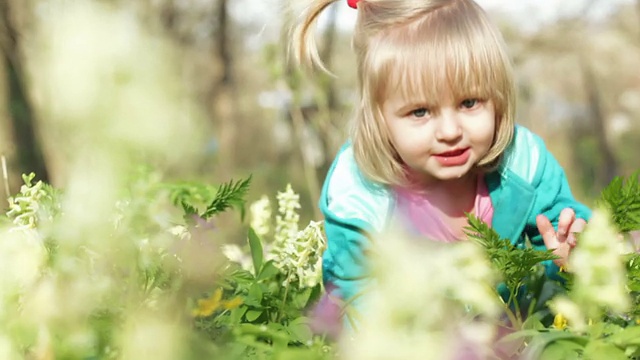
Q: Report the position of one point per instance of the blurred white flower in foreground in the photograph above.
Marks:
(110, 97)
(599, 271)
(145, 336)
(424, 302)
(234, 253)
(22, 258)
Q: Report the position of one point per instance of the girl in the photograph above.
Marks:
(434, 138)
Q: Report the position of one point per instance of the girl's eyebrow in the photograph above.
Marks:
(413, 105)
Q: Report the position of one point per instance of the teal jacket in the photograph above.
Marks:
(528, 182)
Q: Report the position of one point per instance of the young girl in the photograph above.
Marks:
(434, 138)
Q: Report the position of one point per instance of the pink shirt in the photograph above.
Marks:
(426, 220)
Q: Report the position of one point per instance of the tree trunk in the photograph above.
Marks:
(296, 114)
(608, 166)
(29, 153)
(223, 94)
(638, 9)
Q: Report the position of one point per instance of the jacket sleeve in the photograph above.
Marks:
(552, 195)
(355, 210)
(344, 263)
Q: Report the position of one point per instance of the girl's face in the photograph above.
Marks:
(440, 140)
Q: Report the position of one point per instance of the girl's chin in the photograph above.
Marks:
(427, 178)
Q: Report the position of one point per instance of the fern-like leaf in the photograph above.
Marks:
(230, 194)
(513, 263)
(622, 198)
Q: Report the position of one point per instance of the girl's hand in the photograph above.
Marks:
(563, 240)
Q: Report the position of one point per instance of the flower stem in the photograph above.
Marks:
(284, 298)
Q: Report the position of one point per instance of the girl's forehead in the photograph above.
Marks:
(436, 82)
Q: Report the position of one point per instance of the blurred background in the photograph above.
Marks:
(577, 65)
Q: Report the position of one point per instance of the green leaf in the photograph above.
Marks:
(188, 209)
(632, 352)
(603, 350)
(561, 349)
(269, 331)
(533, 322)
(626, 337)
(300, 354)
(281, 341)
(299, 330)
(520, 334)
(603, 329)
(254, 297)
(242, 276)
(256, 251)
(269, 270)
(622, 198)
(236, 314)
(544, 341)
(252, 315)
(189, 212)
(230, 194)
(300, 299)
(513, 263)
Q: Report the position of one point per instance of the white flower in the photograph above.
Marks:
(298, 254)
(424, 297)
(260, 212)
(287, 218)
(22, 258)
(147, 336)
(300, 257)
(235, 254)
(599, 271)
(180, 231)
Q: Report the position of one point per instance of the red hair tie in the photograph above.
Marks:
(353, 3)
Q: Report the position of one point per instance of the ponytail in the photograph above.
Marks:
(303, 42)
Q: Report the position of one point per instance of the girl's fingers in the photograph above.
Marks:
(577, 227)
(566, 219)
(571, 240)
(547, 232)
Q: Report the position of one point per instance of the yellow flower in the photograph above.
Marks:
(560, 322)
(208, 306)
(232, 304)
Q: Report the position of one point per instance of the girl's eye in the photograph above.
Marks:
(421, 112)
(469, 103)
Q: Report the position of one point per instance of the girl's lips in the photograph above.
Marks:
(454, 158)
(453, 152)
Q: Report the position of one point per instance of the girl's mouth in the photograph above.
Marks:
(455, 157)
(453, 152)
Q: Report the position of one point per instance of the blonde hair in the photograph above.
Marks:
(419, 48)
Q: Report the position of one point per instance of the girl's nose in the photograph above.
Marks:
(448, 128)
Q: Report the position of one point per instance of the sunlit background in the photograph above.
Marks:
(577, 70)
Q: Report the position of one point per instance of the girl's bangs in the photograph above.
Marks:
(425, 63)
